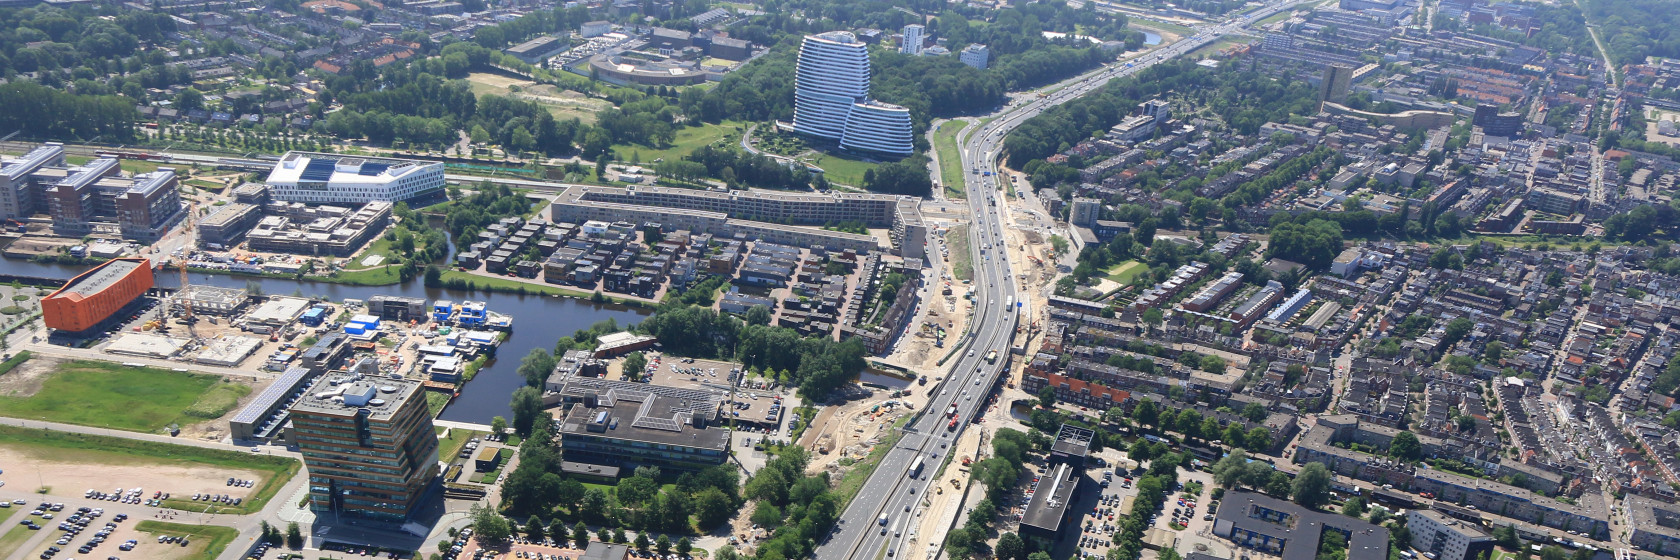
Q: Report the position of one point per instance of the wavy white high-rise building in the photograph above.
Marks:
(831, 98)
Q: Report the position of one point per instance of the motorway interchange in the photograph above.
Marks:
(885, 512)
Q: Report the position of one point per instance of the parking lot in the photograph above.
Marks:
(72, 533)
(520, 549)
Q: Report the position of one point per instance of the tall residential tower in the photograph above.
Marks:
(831, 98)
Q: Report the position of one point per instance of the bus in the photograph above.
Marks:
(916, 468)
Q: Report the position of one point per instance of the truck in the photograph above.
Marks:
(991, 356)
(916, 468)
(952, 426)
(952, 412)
(1009, 303)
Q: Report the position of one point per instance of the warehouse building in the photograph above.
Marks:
(90, 298)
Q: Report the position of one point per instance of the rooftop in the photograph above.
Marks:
(1049, 505)
(1299, 528)
(644, 413)
(99, 279)
(348, 394)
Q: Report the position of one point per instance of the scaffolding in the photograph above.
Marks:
(211, 300)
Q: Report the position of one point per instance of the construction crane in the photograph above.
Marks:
(186, 304)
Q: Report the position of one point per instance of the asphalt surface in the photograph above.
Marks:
(881, 516)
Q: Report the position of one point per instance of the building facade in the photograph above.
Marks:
(1338, 79)
(831, 83)
(315, 178)
(914, 35)
(369, 446)
(1445, 537)
(94, 296)
(975, 55)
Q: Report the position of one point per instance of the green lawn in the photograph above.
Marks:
(380, 246)
(947, 144)
(962, 263)
(435, 401)
(112, 395)
(206, 541)
(449, 446)
(841, 170)
(15, 537)
(1126, 271)
(93, 449)
(378, 276)
(686, 140)
(130, 165)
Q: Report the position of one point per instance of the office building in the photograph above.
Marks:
(594, 29)
(18, 191)
(1445, 537)
(537, 50)
(1158, 109)
(1338, 79)
(227, 225)
(976, 55)
(94, 296)
(831, 84)
(318, 230)
(1281, 528)
(316, 178)
(368, 444)
(95, 197)
(627, 425)
(1049, 517)
(1495, 123)
(914, 35)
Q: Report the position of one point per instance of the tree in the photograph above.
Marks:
(580, 534)
(1146, 413)
(1228, 471)
(1255, 412)
(1152, 316)
(534, 529)
(712, 508)
(536, 366)
(1354, 507)
(490, 526)
(498, 426)
(642, 542)
(294, 536)
(684, 546)
(1010, 547)
(1047, 397)
(526, 405)
(1406, 447)
(1278, 486)
(1312, 485)
(634, 364)
(663, 545)
(726, 553)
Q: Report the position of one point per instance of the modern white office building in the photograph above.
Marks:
(316, 178)
(976, 55)
(914, 34)
(831, 98)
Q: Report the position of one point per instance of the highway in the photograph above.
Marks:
(885, 511)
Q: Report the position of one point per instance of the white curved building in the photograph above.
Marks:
(878, 127)
(831, 97)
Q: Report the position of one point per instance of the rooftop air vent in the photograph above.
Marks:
(388, 388)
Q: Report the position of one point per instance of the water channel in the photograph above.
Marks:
(538, 321)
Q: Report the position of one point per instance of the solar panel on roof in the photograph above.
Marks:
(281, 388)
(317, 170)
(370, 169)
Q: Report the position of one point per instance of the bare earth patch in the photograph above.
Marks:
(25, 380)
(70, 473)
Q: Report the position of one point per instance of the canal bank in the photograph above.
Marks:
(538, 322)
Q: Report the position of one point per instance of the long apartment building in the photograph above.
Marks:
(369, 446)
(778, 217)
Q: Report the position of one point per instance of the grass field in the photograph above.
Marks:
(104, 450)
(842, 170)
(435, 401)
(129, 165)
(1214, 47)
(686, 140)
(449, 446)
(945, 142)
(962, 263)
(560, 103)
(15, 536)
(1126, 271)
(111, 395)
(206, 541)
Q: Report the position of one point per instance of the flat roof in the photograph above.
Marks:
(282, 386)
(345, 394)
(1049, 504)
(645, 412)
(1300, 528)
(279, 310)
(99, 279)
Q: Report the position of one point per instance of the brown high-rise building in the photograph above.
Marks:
(369, 445)
(1338, 80)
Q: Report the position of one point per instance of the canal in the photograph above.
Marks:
(538, 321)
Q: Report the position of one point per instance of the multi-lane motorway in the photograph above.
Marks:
(887, 510)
